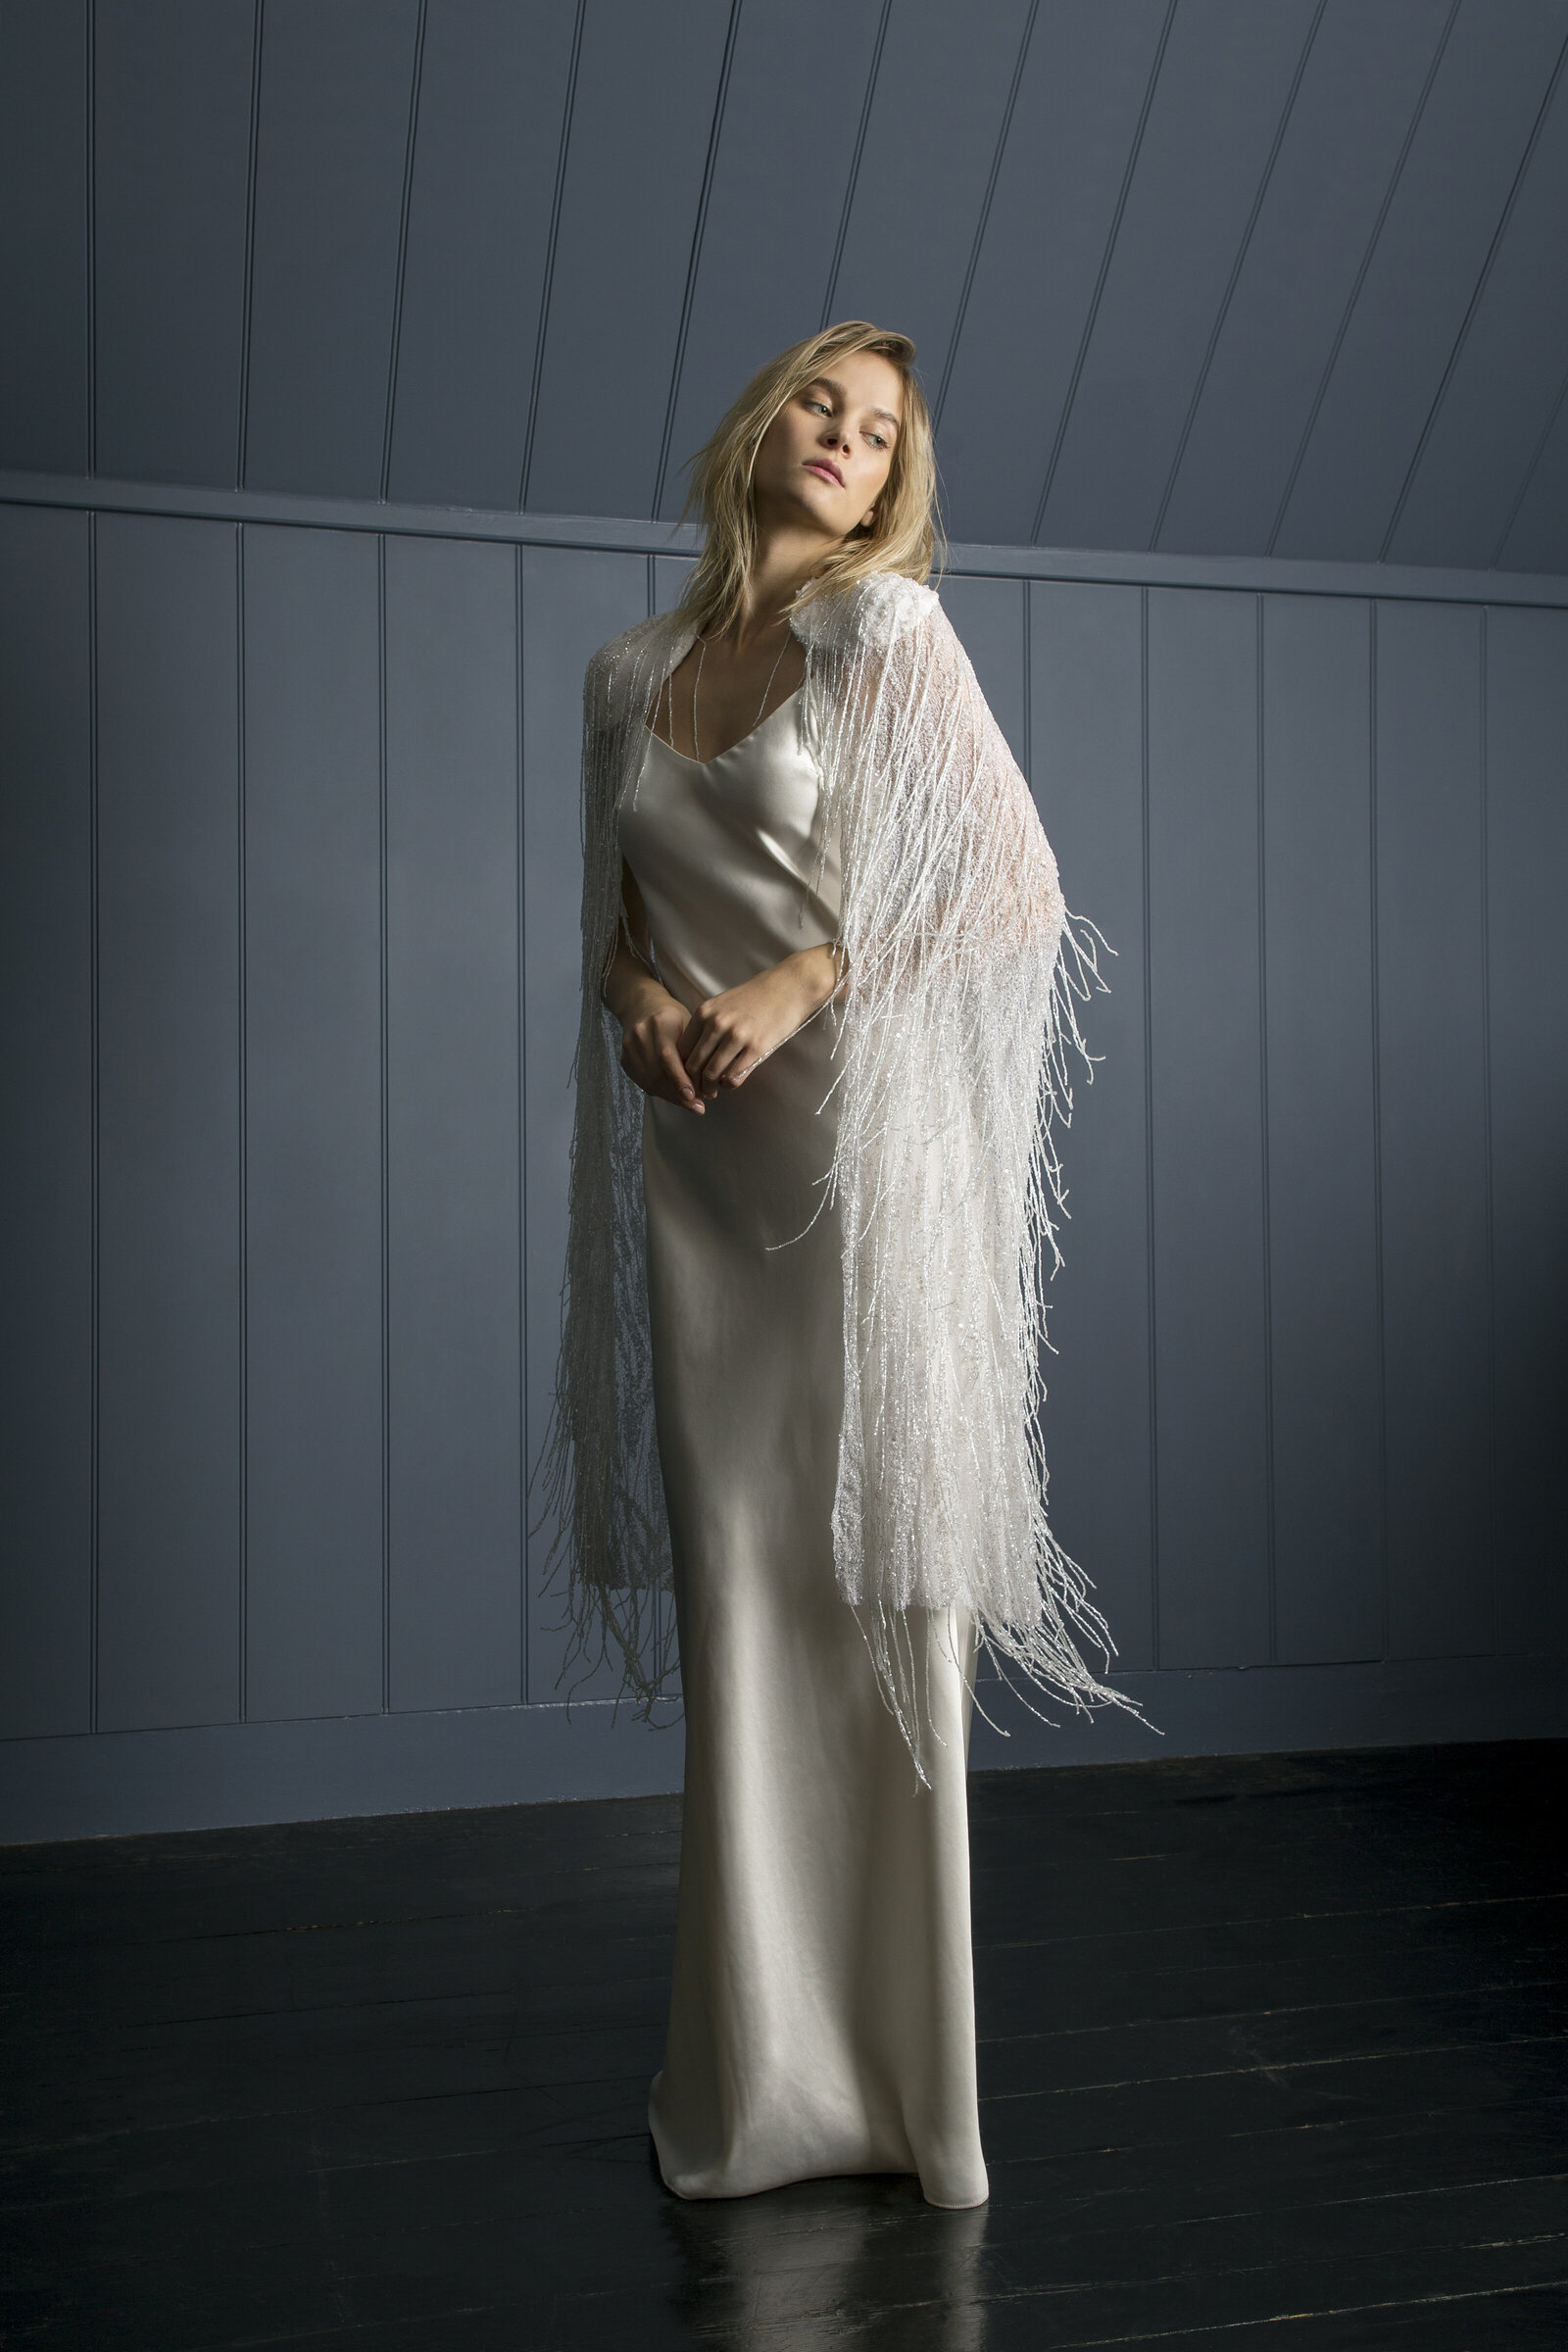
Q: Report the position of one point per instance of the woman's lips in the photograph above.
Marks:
(830, 474)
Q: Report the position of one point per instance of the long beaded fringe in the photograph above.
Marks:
(951, 1053)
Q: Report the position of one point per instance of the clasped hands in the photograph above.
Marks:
(686, 1056)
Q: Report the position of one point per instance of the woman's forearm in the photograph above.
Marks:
(823, 971)
(630, 989)
(671, 1052)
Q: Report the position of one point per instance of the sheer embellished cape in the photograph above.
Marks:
(952, 1036)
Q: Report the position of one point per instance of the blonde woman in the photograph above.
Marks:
(828, 983)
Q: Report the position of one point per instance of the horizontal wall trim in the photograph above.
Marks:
(620, 535)
(228, 1776)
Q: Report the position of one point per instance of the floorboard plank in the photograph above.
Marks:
(1274, 2051)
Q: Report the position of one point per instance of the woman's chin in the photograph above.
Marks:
(806, 502)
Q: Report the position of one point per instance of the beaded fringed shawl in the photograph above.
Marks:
(951, 1041)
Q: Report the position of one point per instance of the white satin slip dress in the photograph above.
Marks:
(821, 2016)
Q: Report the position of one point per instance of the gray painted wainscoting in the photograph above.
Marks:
(289, 932)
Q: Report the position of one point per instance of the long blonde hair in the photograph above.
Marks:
(904, 534)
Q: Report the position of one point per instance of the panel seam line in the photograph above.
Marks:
(1353, 298)
(247, 296)
(1236, 266)
(853, 181)
(995, 173)
(402, 250)
(694, 257)
(552, 240)
(1107, 258)
(1473, 306)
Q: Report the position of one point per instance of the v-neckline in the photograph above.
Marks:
(686, 759)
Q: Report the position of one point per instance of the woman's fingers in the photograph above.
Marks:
(725, 1037)
(698, 1040)
(728, 1049)
(711, 1043)
(677, 1084)
(650, 1058)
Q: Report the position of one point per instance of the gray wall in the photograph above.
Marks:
(1245, 275)
(290, 877)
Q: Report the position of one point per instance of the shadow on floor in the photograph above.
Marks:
(1272, 2052)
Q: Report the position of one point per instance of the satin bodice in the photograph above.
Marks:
(725, 854)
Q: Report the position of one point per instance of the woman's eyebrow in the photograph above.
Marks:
(837, 390)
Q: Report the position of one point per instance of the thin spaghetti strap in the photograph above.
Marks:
(697, 749)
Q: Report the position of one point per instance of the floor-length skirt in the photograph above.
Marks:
(821, 2012)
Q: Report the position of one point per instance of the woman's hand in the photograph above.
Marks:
(650, 1018)
(650, 1053)
(728, 1035)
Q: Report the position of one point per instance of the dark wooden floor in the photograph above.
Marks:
(1272, 2053)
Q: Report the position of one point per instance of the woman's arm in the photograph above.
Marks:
(674, 1053)
(650, 1018)
(728, 1035)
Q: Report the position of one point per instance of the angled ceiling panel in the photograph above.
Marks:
(1537, 531)
(931, 137)
(647, 96)
(1228, 74)
(1081, 95)
(170, 192)
(1469, 145)
(785, 157)
(1353, 112)
(493, 92)
(43, 240)
(1221, 276)
(336, 92)
(1506, 379)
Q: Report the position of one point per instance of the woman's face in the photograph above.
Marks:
(826, 454)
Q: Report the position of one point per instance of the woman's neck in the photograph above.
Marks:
(786, 558)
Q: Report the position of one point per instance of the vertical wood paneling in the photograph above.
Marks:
(670, 574)
(170, 183)
(44, 242)
(313, 1124)
(1433, 1092)
(168, 981)
(241, 1098)
(453, 1125)
(46, 1169)
(1325, 1370)
(332, 145)
(492, 95)
(989, 617)
(1086, 768)
(647, 86)
(1209, 1289)
(1527, 876)
(572, 603)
